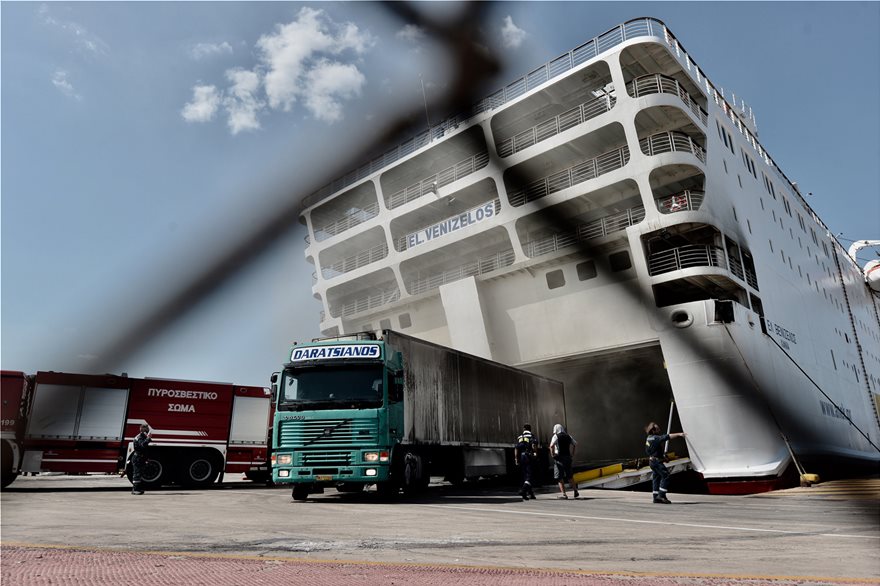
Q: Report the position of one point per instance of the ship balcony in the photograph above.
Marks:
(683, 201)
(363, 293)
(355, 261)
(478, 255)
(686, 257)
(550, 128)
(433, 183)
(672, 141)
(347, 210)
(659, 83)
(445, 162)
(583, 232)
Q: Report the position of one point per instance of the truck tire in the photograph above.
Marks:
(415, 474)
(6, 465)
(300, 492)
(154, 473)
(199, 470)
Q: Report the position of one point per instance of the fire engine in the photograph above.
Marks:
(79, 423)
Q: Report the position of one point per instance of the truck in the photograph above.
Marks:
(82, 423)
(392, 410)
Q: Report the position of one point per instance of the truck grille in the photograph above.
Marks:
(329, 433)
(326, 459)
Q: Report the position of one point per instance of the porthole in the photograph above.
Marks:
(681, 318)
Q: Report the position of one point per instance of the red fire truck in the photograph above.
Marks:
(77, 423)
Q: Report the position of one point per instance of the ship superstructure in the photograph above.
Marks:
(612, 221)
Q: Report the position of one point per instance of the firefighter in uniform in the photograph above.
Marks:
(656, 458)
(139, 459)
(525, 454)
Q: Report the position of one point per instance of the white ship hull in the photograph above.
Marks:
(619, 227)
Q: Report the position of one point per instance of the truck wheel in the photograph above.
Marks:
(199, 471)
(6, 465)
(154, 473)
(300, 492)
(414, 474)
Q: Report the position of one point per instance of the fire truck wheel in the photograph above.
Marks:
(154, 473)
(200, 470)
(6, 473)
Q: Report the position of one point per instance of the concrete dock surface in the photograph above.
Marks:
(90, 530)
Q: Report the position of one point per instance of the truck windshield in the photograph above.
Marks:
(331, 387)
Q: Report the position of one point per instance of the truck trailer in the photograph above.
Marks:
(393, 410)
(79, 423)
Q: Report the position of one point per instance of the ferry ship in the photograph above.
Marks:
(611, 220)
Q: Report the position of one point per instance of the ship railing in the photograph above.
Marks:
(664, 142)
(751, 278)
(564, 179)
(736, 266)
(349, 219)
(315, 278)
(308, 239)
(587, 231)
(684, 257)
(367, 302)
(477, 267)
(684, 201)
(640, 27)
(658, 83)
(549, 128)
(355, 261)
(435, 182)
(402, 243)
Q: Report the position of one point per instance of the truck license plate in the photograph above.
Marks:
(319, 478)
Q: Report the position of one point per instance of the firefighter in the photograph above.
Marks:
(139, 459)
(656, 458)
(525, 454)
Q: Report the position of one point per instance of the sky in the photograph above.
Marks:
(140, 140)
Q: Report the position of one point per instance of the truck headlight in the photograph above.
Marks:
(283, 473)
(285, 459)
(371, 456)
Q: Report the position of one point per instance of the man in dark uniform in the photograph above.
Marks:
(525, 454)
(656, 458)
(139, 459)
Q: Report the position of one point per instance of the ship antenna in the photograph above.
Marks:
(425, 99)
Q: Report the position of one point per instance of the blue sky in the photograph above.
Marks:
(140, 140)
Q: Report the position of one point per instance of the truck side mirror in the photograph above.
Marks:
(274, 380)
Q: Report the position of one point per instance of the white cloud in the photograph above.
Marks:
(411, 32)
(203, 106)
(511, 35)
(293, 66)
(60, 81)
(201, 51)
(329, 82)
(241, 102)
(82, 38)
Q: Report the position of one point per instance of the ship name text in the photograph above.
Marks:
(782, 333)
(464, 220)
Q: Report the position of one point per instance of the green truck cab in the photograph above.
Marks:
(393, 411)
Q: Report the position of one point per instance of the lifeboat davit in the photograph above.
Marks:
(872, 275)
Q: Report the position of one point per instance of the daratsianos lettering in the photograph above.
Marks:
(335, 352)
(448, 225)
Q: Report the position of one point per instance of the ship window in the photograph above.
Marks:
(385, 324)
(771, 245)
(738, 178)
(749, 224)
(734, 215)
(555, 279)
(833, 361)
(718, 126)
(620, 261)
(586, 270)
(757, 306)
(405, 321)
(725, 165)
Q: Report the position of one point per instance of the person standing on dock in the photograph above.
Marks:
(525, 454)
(656, 458)
(562, 448)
